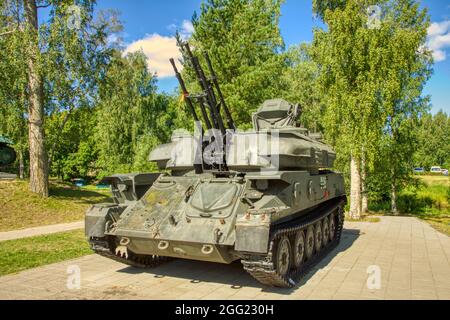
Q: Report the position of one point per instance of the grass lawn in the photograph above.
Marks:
(435, 192)
(22, 254)
(435, 180)
(20, 208)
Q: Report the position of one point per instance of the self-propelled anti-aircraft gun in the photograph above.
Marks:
(265, 196)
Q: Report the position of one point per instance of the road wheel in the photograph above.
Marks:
(299, 248)
(318, 235)
(283, 256)
(309, 242)
(325, 230)
(332, 227)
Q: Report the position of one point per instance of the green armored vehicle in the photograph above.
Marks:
(264, 196)
(7, 154)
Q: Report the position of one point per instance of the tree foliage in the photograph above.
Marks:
(131, 117)
(433, 141)
(300, 81)
(52, 67)
(372, 79)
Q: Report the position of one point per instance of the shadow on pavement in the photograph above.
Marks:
(199, 272)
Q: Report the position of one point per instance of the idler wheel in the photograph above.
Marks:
(309, 242)
(299, 248)
(318, 235)
(283, 256)
(325, 230)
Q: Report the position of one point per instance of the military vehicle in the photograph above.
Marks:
(265, 196)
(7, 154)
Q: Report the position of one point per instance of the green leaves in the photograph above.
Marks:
(128, 116)
(300, 85)
(372, 81)
(368, 75)
(433, 135)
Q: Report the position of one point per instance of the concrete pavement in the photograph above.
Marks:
(397, 258)
(38, 231)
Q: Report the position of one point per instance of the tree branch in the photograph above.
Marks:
(43, 6)
(7, 32)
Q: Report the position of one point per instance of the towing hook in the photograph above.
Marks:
(122, 252)
(218, 234)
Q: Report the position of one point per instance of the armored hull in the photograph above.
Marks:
(220, 219)
(267, 199)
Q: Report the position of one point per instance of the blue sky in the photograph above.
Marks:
(150, 25)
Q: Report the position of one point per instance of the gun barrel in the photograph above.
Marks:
(204, 114)
(183, 88)
(208, 89)
(230, 121)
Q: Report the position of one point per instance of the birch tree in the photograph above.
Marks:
(61, 58)
(368, 70)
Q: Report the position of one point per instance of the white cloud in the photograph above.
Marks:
(439, 39)
(437, 28)
(159, 50)
(172, 27)
(187, 27)
(439, 55)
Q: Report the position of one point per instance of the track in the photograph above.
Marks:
(264, 267)
(107, 248)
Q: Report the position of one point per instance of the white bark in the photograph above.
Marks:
(394, 199)
(364, 196)
(21, 165)
(355, 189)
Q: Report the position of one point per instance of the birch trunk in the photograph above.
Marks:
(364, 196)
(394, 198)
(355, 190)
(21, 165)
(38, 156)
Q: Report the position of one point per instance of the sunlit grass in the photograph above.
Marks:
(435, 180)
(20, 208)
(22, 254)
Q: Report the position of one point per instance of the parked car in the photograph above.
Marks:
(436, 169)
(79, 182)
(419, 170)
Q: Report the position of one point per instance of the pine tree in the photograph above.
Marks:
(243, 40)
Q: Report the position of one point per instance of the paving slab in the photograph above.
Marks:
(39, 231)
(396, 258)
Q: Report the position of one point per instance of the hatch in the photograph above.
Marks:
(213, 199)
